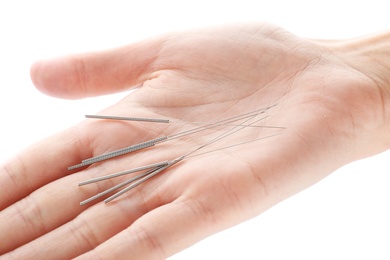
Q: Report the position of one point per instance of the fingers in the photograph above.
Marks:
(160, 233)
(41, 164)
(38, 213)
(215, 202)
(93, 74)
(57, 203)
(37, 206)
(49, 159)
(83, 232)
(92, 227)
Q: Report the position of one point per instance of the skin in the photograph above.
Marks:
(332, 97)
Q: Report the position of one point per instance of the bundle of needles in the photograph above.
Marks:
(232, 125)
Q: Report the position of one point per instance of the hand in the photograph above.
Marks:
(333, 114)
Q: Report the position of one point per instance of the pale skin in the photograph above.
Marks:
(332, 97)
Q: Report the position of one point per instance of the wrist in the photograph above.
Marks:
(366, 63)
(369, 55)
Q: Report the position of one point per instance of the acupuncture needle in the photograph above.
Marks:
(140, 119)
(143, 145)
(138, 169)
(116, 153)
(155, 165)
(146, 144)
(120, 185)
(233, 145)
(158, 168)
(164, 121)
(163, 163)
(150, 143)
(155, 172)
(140, 181)
(140, 146)
(226, 134)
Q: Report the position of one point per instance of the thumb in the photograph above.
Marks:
(93, 74)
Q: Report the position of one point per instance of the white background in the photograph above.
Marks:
(346, 216)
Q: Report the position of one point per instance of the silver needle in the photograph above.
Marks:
(161, 166)
(150, 143)
(120, 185)
(140, 119)
(155, 172)
(147, 177)
(154, 165)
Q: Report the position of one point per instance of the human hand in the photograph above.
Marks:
(332, 112)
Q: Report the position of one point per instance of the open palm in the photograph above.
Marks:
(199, 76)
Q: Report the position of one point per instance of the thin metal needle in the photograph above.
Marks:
(154, 165)
(165, 121)
(161, 166)
(150, 143)
(150, 175)
(140, 119)
(233, 145)
(118, 186)
(143, 145)
(147, 177)
(125, 150)
(223, 135)
(117, 153)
